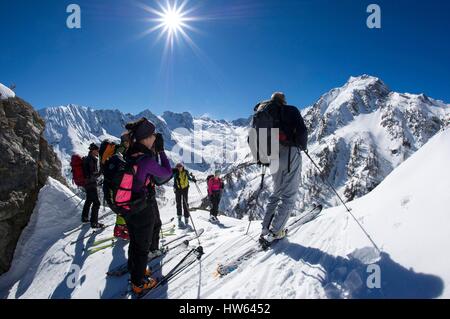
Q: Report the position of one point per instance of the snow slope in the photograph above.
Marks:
(6, 93)
(406, 215)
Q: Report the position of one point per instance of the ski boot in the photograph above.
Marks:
(155, 254)
(121, 231)
(181, 225)
(97, 226)
(265, 232)
(213, 219)
(149, 283)
(267, 240)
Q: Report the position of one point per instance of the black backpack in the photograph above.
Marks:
(117, 186)
(118, 182)
(269, 115)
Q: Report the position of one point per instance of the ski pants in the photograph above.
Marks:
(215, 201)
(286, 183)
(181, 196)
(91, 200)
(143, 228)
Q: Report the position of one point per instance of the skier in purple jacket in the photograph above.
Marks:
(144, 224)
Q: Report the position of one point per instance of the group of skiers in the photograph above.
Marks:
(133, 170)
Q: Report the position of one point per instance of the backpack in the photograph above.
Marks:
(107, 150)
(118, 186)
(264, 120)
(77, 165)
(269, 115)
(211, 177)
(207, 181)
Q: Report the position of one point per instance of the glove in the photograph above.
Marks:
(159, 143)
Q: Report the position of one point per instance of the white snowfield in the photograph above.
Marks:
(407, 216)
(6, 93)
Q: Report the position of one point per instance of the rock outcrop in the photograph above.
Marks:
(26, 160)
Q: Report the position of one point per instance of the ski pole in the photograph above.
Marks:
(198, 189)
(250, 217)
(196, 185)
(192, 221)
(342, 201)
(162, 237)
(76, 194)
(79, 203)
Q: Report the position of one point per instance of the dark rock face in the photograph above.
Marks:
(26, 160)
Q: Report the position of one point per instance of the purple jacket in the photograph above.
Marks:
(148, 167)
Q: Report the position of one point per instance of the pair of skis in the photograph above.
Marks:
(224, 269)
(99, 230)
(190, 258)
(171, 250)
(112, 241)
(78, 228)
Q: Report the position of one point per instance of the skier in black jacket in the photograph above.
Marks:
(91, 173)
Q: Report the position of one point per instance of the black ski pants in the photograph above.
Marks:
(215, 201)
(91, 200)
(144, 228)
(181, 196)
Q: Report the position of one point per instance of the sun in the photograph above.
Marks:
(172, 20)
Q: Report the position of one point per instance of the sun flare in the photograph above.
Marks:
(171, 19)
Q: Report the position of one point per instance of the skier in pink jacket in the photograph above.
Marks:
(215, 189)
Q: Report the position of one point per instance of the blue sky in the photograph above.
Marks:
(246, 50)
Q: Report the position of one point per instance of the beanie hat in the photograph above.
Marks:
(279, 97)
(141, 129)
(93, 147)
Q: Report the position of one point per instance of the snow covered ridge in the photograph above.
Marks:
(6, 93)
(200, 143)
(406, 215)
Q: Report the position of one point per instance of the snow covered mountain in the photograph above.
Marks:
(330, 257)
(196, 142)
(359, 133)
(6, 93)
